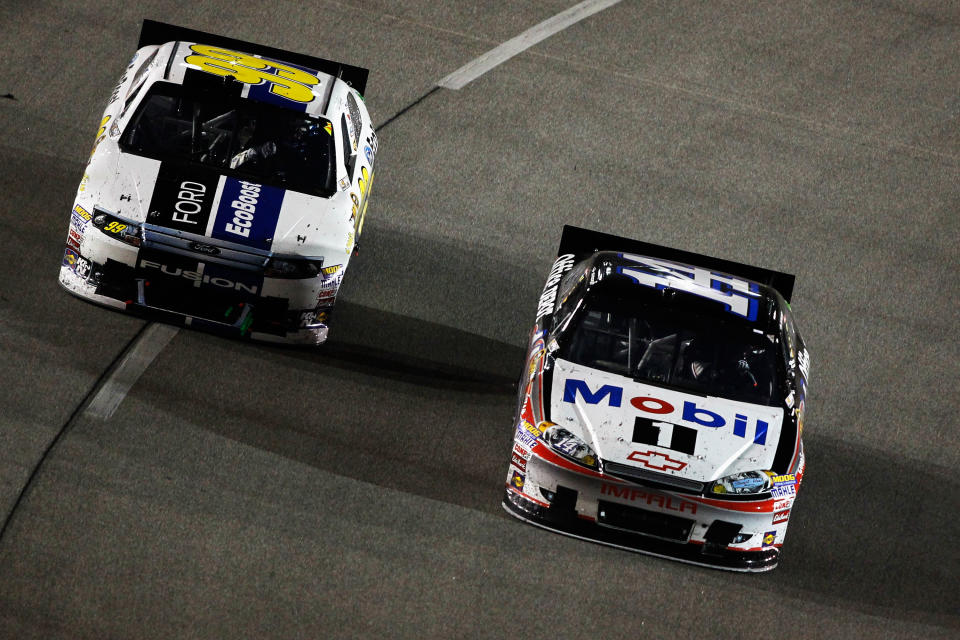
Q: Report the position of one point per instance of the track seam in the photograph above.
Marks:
(408, 107)
(87, 399)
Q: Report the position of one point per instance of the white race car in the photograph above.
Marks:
(662, 405)
(226, 189)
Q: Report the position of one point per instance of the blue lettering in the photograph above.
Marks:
(691, 414)
(570, 388)
(740, 426)
(761, 434)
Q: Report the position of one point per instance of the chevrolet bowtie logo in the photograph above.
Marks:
(656, 460)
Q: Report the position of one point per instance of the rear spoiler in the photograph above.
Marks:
(584, 241)
(154, 32)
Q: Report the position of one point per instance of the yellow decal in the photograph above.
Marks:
(328, 128)
(366, 186)
(115, 227)
(329, 271)
(100, 135)
(286, 81)
(83, 213)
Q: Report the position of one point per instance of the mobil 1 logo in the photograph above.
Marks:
(182, 198)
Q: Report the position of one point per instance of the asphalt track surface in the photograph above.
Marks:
(242, 490)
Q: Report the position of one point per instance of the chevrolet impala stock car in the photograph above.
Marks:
(227, 187)
(662, 404)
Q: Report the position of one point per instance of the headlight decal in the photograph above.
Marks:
(569, 445)
(743, 483)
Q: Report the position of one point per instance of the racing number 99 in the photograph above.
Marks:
(286, 81)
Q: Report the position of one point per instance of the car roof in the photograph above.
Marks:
(705, 292)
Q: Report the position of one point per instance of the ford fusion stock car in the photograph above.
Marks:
(662, 404)
(226, 189)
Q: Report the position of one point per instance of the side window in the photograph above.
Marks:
(349, 157)
(568, 294)
(137, 83)
(356, 121)
(788, 332)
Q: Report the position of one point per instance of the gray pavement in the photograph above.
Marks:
(243, 490)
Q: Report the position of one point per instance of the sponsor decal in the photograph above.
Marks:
(738, 296)
(518, 462)
(768, 538)
(803, 361)
(247, 213)
(307, 318)
(545, 305)
(689, 412)
(534, 430)
(114, 228)
(206, 249)
(368, 154)
(70, 259)
(664, 434)
(331, 278)
(781, 516)
(271, 80)
(364, 185)
(783, 503)
(182, 198)
(101, 134)
(784, 486)
(517, 480)
(74, 239)
(76, 263)
(524, 437)
(199, 276)
(656, 460)
(82, 213)
(82, 268)
(520, 451)
(79, 218)
(652, 499)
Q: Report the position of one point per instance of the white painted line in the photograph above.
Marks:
(135, 361)
(476, 68)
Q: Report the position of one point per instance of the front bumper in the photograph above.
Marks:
(158, 295)
(739, 536)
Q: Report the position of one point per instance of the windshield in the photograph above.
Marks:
(674, 348)
(251, 140)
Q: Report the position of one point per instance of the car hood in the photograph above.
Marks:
(194, 199)
(663, 430)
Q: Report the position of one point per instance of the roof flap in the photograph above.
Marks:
(584, 241)
(154, 32)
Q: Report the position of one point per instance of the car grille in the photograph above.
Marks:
(650, 523)
(644, 476)
(203, 248)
